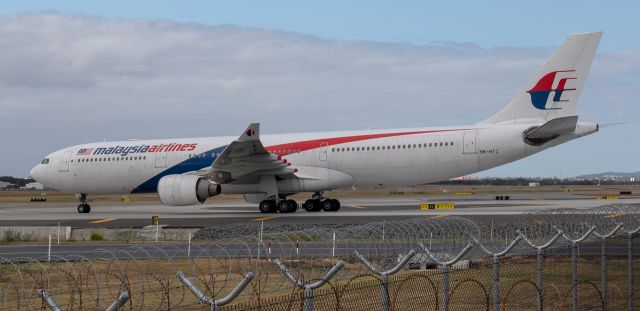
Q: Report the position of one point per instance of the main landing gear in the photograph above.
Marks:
(283, 206)
(327, 205)
(315, 204)
(83, 207)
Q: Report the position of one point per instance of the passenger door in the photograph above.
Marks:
(469, 145)
(64, 161)
(324, 148)
(161, 159)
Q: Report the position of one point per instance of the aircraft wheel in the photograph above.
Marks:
(284, 206)
(328, 205)
(312, 205)
(293, 206)
(84, 208)
(267, 206)
(336, 205)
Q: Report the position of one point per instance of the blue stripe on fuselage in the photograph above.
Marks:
(192, 164)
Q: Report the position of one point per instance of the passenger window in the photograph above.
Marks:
(446, 143)
(451, 144)
(440, 144)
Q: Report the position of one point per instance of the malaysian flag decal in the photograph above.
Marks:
(85, 151)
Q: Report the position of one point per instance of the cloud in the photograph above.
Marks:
(72, 79)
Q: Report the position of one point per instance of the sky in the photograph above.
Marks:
(73, 72)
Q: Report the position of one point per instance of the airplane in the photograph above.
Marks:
(268, 169)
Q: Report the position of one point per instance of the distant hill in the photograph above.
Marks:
(611, 176)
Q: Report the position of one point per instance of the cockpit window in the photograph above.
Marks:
(45, 161)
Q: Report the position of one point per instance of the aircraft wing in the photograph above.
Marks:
(243, 157)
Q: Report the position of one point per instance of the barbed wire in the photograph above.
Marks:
(283, 263)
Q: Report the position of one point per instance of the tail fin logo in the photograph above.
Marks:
(542, 90)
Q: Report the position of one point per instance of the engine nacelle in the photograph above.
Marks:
(179, 190)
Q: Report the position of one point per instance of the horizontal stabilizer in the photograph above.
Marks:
(550, 130)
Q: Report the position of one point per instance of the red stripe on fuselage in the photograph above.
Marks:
(299, 146)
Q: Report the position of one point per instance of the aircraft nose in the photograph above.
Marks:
(34, 172)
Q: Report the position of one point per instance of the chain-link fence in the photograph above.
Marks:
(566, 259)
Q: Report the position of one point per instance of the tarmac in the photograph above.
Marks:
(353, 211)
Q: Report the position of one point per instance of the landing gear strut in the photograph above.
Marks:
(83, 207)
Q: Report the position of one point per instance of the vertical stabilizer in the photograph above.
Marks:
(554, 90)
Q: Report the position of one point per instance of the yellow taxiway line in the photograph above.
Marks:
(99, 221)
(358, 206)
(265, 218)
(440, 216)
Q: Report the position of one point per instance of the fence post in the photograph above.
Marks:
(603, 274)
(49, 250)
(603, 266)
(120, 301)
(539, 281)
(384, 276)
(189, 246)
(496, 266)
(308, 288)
(308, 298)
(445, 269)
(574, 274)
(630, 269)
(215, 303)
(496, 283)
(445, 287)
(49, 301)
(574, 262)
(540, 262)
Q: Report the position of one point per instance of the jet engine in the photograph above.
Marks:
(179, 190)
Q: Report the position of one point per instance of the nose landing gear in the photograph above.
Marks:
(83, 207)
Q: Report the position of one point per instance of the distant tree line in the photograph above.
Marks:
(16, 181)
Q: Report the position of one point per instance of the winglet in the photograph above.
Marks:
(251, 133)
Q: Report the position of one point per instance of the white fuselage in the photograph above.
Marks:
(378, 158)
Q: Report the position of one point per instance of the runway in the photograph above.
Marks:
(353, 211)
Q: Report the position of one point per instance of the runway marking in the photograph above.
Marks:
(265, 218)
(358, 206)
(99, 221)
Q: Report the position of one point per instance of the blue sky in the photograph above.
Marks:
(128, 61)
